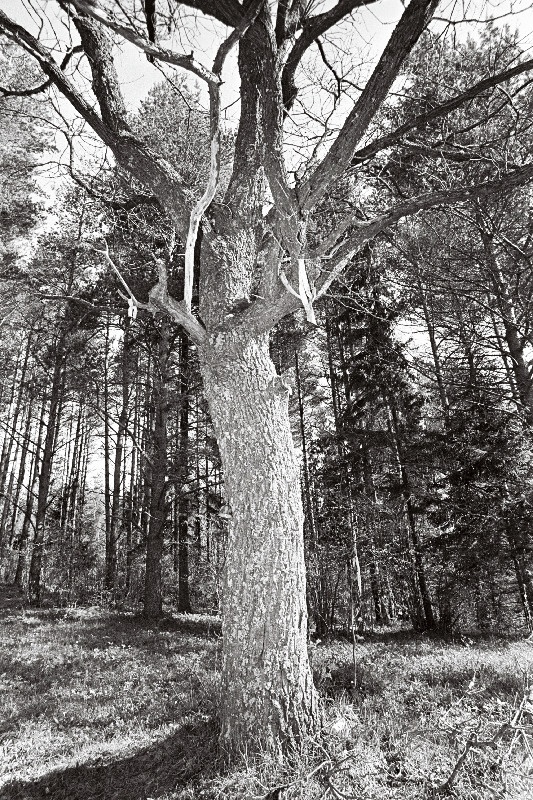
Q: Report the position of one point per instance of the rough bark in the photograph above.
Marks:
(268, 695)
(269, 698)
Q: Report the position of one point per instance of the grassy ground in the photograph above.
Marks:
(96, 706)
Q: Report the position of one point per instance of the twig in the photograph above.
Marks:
(133, 303)
(473, 743)
(272, 792)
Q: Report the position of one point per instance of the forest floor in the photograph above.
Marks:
(99, 706)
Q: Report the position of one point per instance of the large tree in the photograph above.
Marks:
(262, 258)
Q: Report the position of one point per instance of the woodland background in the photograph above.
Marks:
(412, 410)
(412, 400)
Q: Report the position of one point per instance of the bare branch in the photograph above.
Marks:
(26, 92)
(262, 315)
(368, 230)
(404, 37)
(187, 62)
(25, 40)
(132, 154)
(312, 29)
(440, 111)
(161, 301)
(331, 68)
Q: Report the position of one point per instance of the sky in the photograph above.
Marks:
(375, 24)
(367, 39)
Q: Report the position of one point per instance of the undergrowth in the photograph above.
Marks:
(96, 705)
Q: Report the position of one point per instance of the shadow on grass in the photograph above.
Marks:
(159, 768)
(199, 624)
(100, 629)
(130, 631)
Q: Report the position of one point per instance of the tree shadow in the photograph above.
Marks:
(199, 624)
(130, 631)
(11, 598)
(161, 767)
(103, 629)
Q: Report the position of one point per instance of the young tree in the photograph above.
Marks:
(258, 242)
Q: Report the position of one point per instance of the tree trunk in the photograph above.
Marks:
(45, 474)
(428, 317)
(153, 599)
(22, 469)
(111, 556)
(305, 459)
(268, 696)
(515, 342)
(33, 483)
(107, 446)
(411, 520)
(184, 599)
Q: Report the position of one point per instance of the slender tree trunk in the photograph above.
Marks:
(411, 520)
(267, 693)
(114, 523)
(515, 343)
(11, 435)
(45, 474)
(184, 599)
(9, 430)
(444, 403)
(30, 497)
(107, 451)
(22, 469)
(153, 597)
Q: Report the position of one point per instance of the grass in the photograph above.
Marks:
(98, 706)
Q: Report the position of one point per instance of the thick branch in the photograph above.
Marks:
(187, 62)
(445, 197)
(282, 16)
(132, 154)
(160, 300)
(406, 34)
(229, 12)
(457, 155)
(263, 314)
(43, 86)
(215, 133)
(272, 124)
(312, 29)
(26, 92)
(98, 48)
(25, 40)
(440, 111)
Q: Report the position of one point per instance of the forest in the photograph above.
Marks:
(273, 539)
